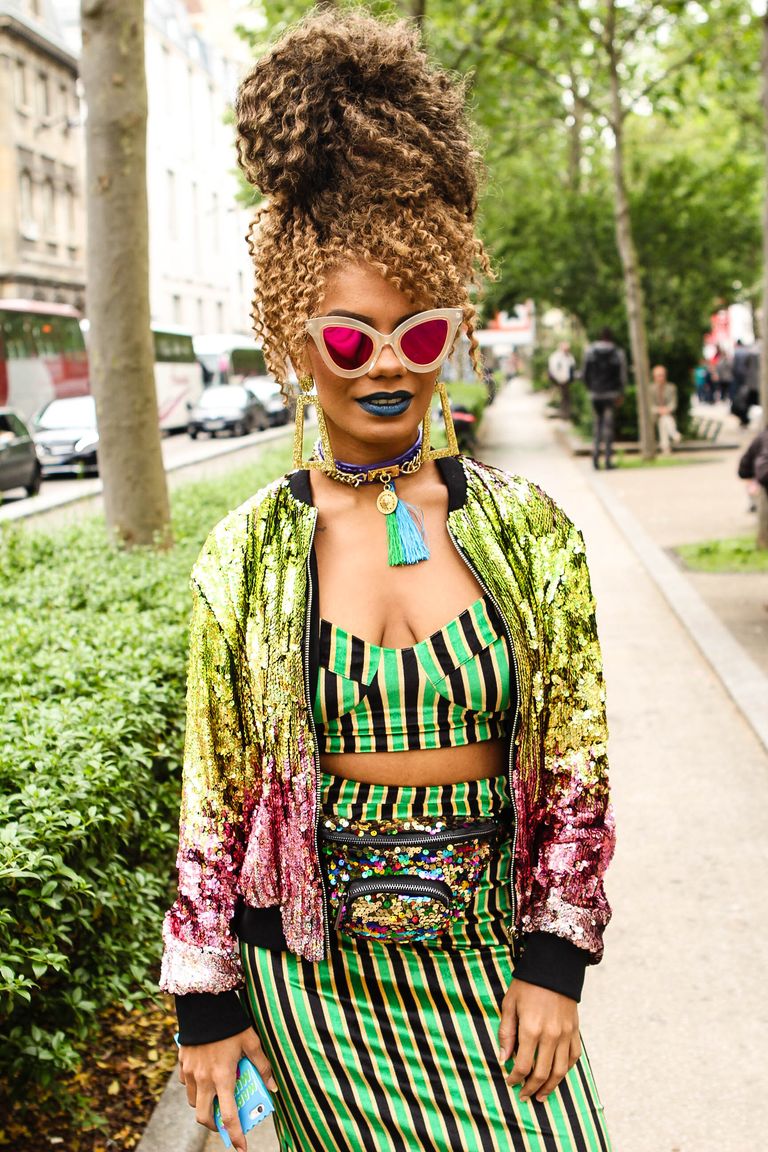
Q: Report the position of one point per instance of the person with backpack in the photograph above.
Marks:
(753, 467)
(605, 378)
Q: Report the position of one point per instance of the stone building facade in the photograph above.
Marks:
(199, 268)
(42, 226)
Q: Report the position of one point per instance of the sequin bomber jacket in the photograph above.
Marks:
(249, 808)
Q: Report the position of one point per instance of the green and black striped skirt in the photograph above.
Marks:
(394, 1048)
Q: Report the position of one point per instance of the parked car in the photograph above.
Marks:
(267, 390)
(66, 436)
(227, 408)
(19, 467)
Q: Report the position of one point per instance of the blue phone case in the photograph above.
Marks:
(252, 1099)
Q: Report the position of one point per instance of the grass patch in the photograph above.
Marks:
(737, 554)
(676, 460)
(470, 394)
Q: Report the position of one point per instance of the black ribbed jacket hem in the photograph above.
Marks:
(552, 963)
(205, 1017)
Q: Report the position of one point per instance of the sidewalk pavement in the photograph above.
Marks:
(675, 1017)
(703, 499)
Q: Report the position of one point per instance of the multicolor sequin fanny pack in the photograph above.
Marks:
(403, 880)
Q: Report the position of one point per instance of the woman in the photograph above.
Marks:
(395, 781)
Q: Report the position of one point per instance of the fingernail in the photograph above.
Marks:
(272, 1084)
(502, 1055)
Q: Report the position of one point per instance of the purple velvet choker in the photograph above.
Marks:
(355, 474)
(406, 535)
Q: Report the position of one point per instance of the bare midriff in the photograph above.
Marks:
(421, 766)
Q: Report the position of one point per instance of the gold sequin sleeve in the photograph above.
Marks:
(573, 821)
(200, 952)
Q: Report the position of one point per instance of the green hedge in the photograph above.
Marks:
(93, 653)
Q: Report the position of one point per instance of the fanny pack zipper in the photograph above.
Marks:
(411, 839)
(410, 885)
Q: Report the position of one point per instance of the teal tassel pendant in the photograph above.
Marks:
(406, 538)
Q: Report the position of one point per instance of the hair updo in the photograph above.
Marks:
(363, 151)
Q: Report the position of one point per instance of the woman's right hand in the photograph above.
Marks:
(209, 1070)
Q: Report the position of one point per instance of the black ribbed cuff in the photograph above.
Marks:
(553, 963)
(205, 1017)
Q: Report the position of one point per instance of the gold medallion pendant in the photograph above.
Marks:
(386, 501)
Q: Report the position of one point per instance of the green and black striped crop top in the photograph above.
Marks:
(453, 688)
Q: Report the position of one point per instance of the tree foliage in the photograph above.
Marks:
(690, 118)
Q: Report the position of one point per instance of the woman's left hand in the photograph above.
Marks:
(541, 1029)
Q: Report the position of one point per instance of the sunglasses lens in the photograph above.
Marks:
(348, 348)
(423, 343)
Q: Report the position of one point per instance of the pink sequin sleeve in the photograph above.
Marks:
(574, 835)
(200, 953)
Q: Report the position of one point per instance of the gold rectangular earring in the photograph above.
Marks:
(451, 447)
(304, 399)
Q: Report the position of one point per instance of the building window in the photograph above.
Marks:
(177, 312)
(215, 215)
(165, 68)
(49, 208)
(219, 316)
(69, 207)
(43, 95)
(26, 196)
(200, 315)
(191, 99)
(35, 7)
(171, 186)
(22, 93)
(195, 226)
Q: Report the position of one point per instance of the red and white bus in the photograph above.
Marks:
(178, 376)
(42, 354)
(43, 357)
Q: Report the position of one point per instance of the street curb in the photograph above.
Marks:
(18, 510)
(172, 1126)
(743, 680)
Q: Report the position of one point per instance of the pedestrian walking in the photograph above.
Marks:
(703, 382)
(605, 377)
(745, 387)
(561, 368)
(664, 407)
(395, 819)
(724, 365)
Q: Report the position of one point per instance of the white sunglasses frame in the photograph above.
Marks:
(380, 340)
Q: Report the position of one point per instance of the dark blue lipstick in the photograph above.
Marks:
(386, 403)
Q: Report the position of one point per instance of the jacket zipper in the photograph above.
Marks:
(310, 712)
(408, 885)
(515, 718)
(410, 839)
(313, 729)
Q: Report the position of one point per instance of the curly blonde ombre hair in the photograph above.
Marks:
(363, 151)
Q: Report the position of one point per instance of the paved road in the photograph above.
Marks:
(675, 1017)
(61, 497)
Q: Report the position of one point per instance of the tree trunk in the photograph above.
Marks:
(419, 12)
(120, 341)
(633, 290)
(762, 501)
